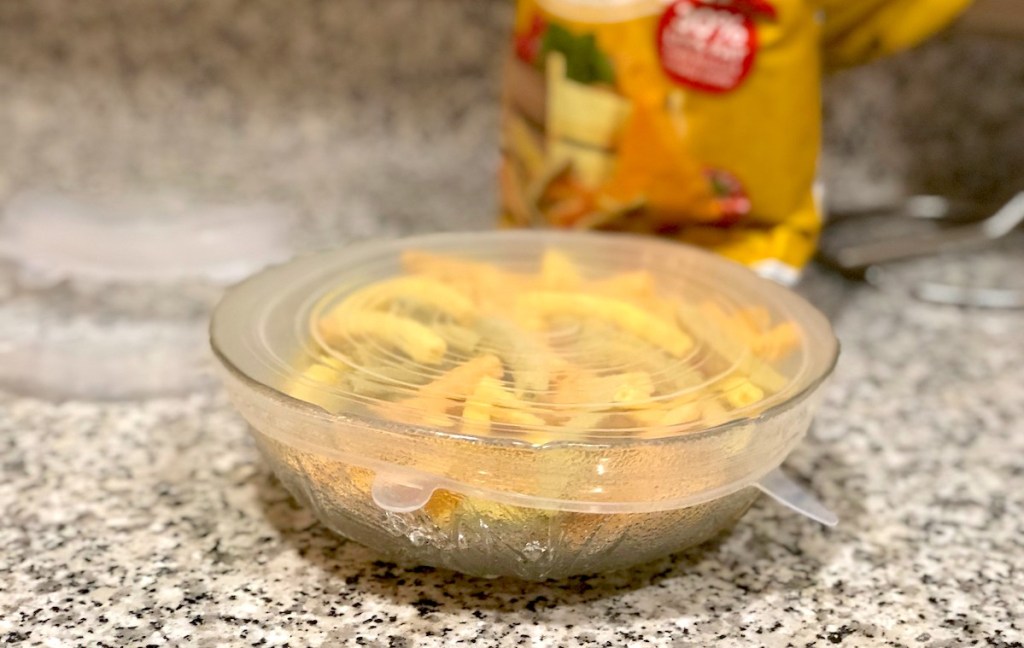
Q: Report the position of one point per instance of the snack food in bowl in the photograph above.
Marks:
(533, 404)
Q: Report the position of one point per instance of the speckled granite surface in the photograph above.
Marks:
(156, 524)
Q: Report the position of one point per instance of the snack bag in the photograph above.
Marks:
(697, 120)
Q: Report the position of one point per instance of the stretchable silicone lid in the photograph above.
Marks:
(535, 339)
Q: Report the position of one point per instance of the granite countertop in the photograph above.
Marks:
(157, 524)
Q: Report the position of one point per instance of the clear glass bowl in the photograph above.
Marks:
(534, 500)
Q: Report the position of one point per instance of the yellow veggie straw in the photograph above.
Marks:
(623, 315)
(412, 338)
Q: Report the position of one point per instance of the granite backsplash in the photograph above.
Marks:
(375, 117)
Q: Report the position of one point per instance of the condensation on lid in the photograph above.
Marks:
(159, 237)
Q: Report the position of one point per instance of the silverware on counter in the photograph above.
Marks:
(935, 249)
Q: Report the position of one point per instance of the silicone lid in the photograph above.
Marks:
(576, 371)
(582, 337)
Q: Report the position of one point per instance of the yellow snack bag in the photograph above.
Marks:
(697, 120)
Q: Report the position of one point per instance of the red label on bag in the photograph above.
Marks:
(709, 45)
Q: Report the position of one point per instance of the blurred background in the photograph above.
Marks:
(386, 122)
(154, 151)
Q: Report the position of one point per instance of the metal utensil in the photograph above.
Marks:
(861, 255)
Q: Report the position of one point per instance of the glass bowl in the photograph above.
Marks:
(593, 481)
